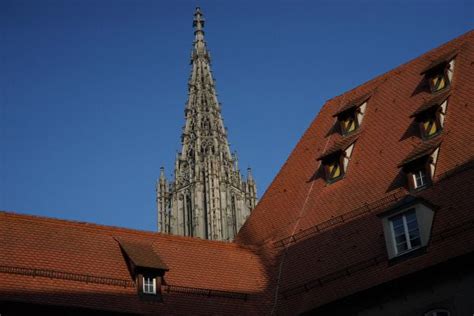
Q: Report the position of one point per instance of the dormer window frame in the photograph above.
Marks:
(348, 117)
(420, 172)
(337, 161)
(404, 228)
(443, 70)
(409, 222)
(340, 159)
(435, 114)
(149, 285)
(426, 124)
(419, 178)
(353, 113)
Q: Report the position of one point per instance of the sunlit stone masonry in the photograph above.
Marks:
(208, 197)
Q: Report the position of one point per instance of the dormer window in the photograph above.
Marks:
(440, 74)
(420, 167)
(145, 266)
(335, 162)
(350, 116)
(149, 285)
(407, 226)
(430, 117)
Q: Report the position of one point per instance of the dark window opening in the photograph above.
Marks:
(418, 174)
(234, 214)
(189, 216)
(348, 122)
(431, 119)
(440, 76)
(334, 168)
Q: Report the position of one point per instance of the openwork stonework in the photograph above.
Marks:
(209, 197)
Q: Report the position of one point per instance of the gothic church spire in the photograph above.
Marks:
(208, 197)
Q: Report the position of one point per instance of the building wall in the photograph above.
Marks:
(447, 286)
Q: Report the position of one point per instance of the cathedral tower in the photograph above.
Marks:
(209, 197)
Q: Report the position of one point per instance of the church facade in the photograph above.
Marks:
(208, 197)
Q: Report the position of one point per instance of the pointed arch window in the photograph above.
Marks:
(234, 214)
(189, 216)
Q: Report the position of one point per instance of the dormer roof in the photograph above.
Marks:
(141, 254)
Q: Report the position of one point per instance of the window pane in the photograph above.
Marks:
(400, 239)
(349, 124)
(412, 225)
(410, 215)
(402, 247)
(334, 170)
(406, 234)
(420, 178)
(415, 242)
(397, 221)
(438, 82)
(429, 126)
(148, 285)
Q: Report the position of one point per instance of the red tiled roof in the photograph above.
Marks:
(439, 61)
(436, 100)
(77, 259)
(340, 145)
(298, 206)
(353, 104)
(306, 244)
(294, 198)
(421, 150)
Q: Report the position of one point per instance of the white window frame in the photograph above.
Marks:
(435, 312)
(424, 217)
(147, 283)
(406, 231)
(422, 175)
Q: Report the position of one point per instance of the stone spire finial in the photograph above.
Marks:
(200, 49)
(249, 175)
(199, 21)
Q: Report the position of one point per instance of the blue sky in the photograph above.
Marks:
(92, 93)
